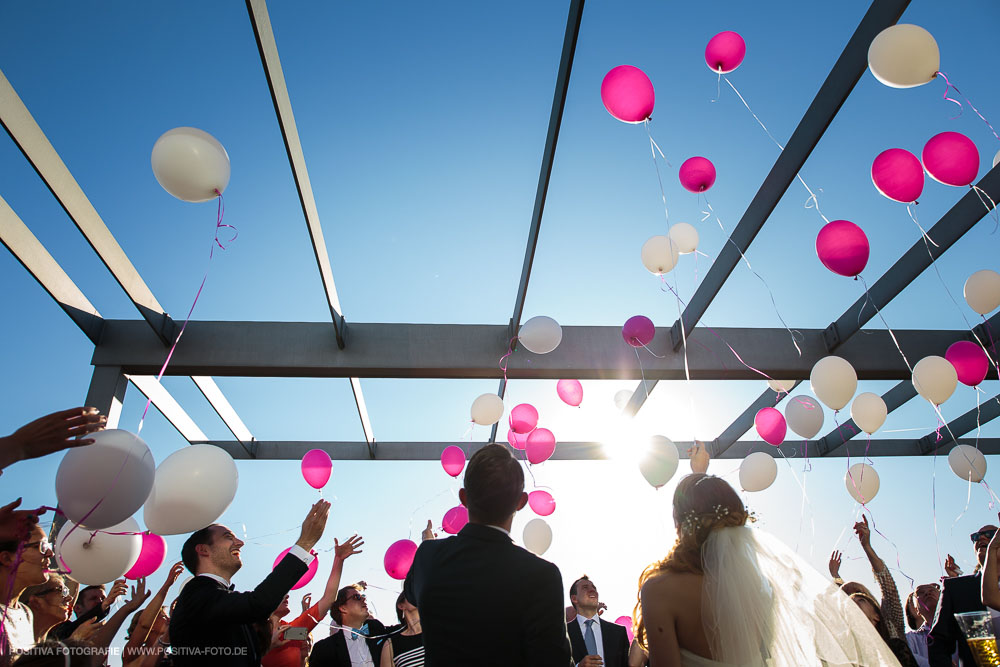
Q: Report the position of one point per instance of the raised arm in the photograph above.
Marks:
(51, 433)
(341, 552)
(891, 608)
(102, 638)
(149, 614)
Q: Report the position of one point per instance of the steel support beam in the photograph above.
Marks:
(896, 397)
(223, 408)
(33, 256)
(107, 393)
(744, 422)
(22, 128)
(932, 442)
(168, 407)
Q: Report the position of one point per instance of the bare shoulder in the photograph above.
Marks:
(671, 590)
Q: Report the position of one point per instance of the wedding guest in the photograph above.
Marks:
(91, 603)
(22, 564)
(594, 641)
(49, 434)
(406, 648)
(350, 643)
(143, 622)
(50, 603)
(920, 607)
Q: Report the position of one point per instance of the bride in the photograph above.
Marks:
(727, 594)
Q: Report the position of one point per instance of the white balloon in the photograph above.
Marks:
(869, 412)
(540, 334)
(684, 236)
(659, 462)
(758, 471)
(862, 482)
(106, 482)
(621, 398)
(659, 255)
(804, 416)
(193, 487)
(904, 56)
(935, 379)
(487, 409)
(834, 381)
(781, 386)
(190, 164)
(982, 291)
(537, 536)
(101, 558)
(968, 463)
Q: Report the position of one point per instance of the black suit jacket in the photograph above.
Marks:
(212, 625)
(484, 601)
(332, 651)
(960, 594)
(613, 637)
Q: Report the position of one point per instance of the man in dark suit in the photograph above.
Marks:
(484, 601)
(594, 641)
(960, 594)
(361, 644)
(211, 624)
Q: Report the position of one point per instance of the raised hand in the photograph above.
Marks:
(699, 457)
(349, 548)
(118, 589)
(307, 601)
(428, 532)
(835, 564)
(51, 433)
(314, 524)
(15, 524)
(174, 573)
(951, 568)
(139, 595)
(863, 532)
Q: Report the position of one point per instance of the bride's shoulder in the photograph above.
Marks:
(672, 583)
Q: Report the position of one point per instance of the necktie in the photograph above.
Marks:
(588, 638)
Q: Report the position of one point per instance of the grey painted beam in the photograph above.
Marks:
(565, 451)
(960, 426)
(305, 349)
(744, 422)
(107, 393)
(831, 96)
(22, 128)
(896, 397)
(222, 407)
(168, 407)
(33, 256)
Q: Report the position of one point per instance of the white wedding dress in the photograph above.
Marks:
(764, 606)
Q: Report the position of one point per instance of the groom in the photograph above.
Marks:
(594, 641)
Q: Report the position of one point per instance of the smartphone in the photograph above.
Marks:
(300, 634)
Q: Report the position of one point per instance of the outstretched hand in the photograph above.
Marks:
(352, 546)
(428, 532)
(699, 457)
(314, 524)
(835, 564)
(51, 433)
(15, 524)
(118, 589)
(863, 532)
(139, 595)
(951, 568)
(306, 602)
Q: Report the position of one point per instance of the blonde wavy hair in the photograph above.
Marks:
(702, 503)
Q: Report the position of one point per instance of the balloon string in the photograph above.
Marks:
(653, 149)
(646, 347)
(718, 86)
(950, 85)
(504, 359)
(899, 565)
(802, 509)
(807, 466)
(968, 498)
(642, 373)
(991, 208)
(993, 497)
(812, 195)
(887, 328)
(927, 238)
(414, 512)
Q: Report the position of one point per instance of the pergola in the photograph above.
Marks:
(132, 351)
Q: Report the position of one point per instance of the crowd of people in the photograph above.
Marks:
(725, 594)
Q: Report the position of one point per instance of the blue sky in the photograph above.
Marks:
(423, 128)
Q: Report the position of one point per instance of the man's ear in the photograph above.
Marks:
(461, 497)
(522, 502)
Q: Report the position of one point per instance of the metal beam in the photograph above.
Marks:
(545, 172)
(896, 397)
(33, 256)
(305, 349)
(168, 407)
(223, 408)
(107, 393)
(565, 451)
(22, 128)
(831, 96)
(744, 422)
(932, 442)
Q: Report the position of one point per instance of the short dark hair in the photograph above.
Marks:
(572, 589)
(494, 482)
(342, 600)
(189, 556)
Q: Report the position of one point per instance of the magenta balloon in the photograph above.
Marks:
(570, 391)
(523, 418)
(151, 556)
(898, 175)
(399, 558)
(316, 468)
(541, 443)
(310, 572)
(627, 94)
(626, 622)
(638, 331)
(951, 158)
(725, 52)
(517, 440)
(697, 174)
(969, 360)
(453, 460)
(455, 519)
(843, 248)
(541, 502)
(770, 424)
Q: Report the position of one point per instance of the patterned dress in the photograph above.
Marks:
(407, 650)
(892, 616)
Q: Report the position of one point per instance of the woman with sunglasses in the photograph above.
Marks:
(51, 604)
(22, 564)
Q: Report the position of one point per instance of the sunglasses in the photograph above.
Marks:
(42, 544)
(988, 534)
(356, 596)
(63, 590)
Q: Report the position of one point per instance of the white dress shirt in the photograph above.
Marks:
(296, 551)
(596, 625)
(357, 648)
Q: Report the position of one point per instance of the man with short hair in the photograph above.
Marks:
(91, 602)
(594, 641)
(484, 601)
(358, 644)
(211, 624)
(959, 595)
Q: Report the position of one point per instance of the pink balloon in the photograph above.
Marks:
(725, 52)
(843, 248)
(523, 418)
(310, 573)
(770, 424)
(951, 158)
(455, 519)
(638, 331)
(969, 360)
(541, 443)
(626, 622)
(453, 460)
(697, 174)
(399, 558)
(151, 556)
(570, 391)
(627, 94)
(541, 502)
(898, 175)
(316, 468)
(516, 440)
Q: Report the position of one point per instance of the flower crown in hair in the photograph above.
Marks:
(693, 520)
